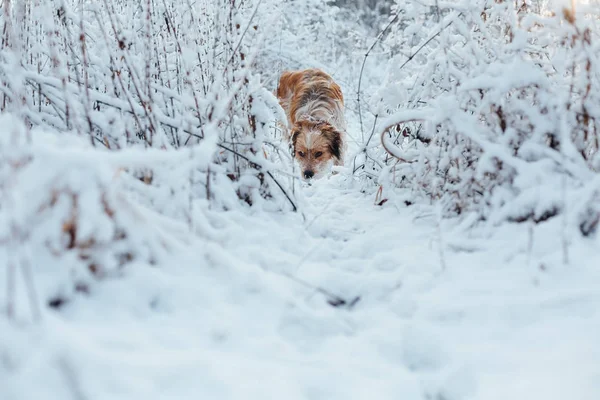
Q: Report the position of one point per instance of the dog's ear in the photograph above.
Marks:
(335, 143)
(334, 138)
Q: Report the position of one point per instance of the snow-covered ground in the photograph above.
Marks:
(237, 315)
(351, 298)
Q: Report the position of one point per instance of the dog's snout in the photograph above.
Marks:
(308, 174)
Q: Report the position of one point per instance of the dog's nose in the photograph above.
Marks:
(308, 174)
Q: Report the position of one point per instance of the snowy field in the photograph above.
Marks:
(173, 266)
(224, 319)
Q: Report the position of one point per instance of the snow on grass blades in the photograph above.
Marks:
(160, 75)
(494, 110)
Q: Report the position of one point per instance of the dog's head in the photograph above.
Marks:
(316, 145)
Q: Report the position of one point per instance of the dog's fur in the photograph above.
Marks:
(314, 106)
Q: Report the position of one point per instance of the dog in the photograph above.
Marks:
(314, 106)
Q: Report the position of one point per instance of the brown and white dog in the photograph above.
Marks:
(314, 106)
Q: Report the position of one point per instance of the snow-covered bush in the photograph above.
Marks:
(496, 108)
(149, 75)
(71, 214)
(66, 204)
(122, 111)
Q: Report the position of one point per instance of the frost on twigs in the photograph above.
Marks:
(498, 111)
(175, 75)
(130, 121)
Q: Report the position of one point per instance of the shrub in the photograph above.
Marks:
(148, 75)
(496, 111)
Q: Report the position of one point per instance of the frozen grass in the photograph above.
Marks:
(497, 111)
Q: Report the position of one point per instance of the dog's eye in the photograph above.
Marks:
(318, 154)
(301, 154)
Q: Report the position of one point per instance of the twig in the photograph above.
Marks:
(362, 68)
(260, 167)
(237, 47)
(86, 79)
(146, 106)
(372, 131)
(332, 298)
(413, 55)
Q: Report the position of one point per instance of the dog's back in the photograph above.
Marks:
(312, 94)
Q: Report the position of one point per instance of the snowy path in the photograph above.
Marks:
(222, 322)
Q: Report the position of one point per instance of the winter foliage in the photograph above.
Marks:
(152, 220)
(182, 110)
(497, 110)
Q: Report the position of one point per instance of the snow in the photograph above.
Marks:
(223, 319)
(167, 293)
